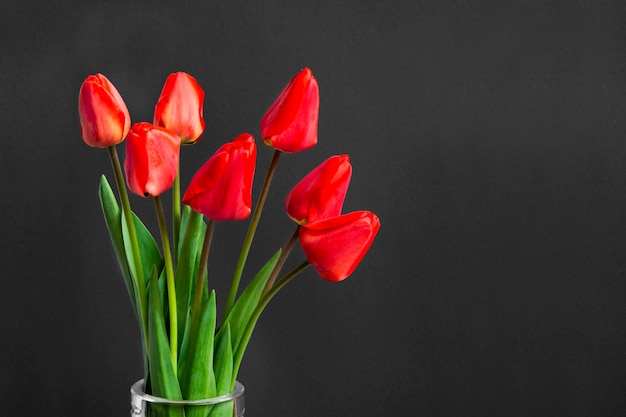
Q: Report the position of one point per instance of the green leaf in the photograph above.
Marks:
(192, 232)
(163, 294)
(223, 362)
(244, 307)
(222, 409)
(163, 379)
(150, 257)
(182, 352)
(186, 212)
(148, 249)
(195, 372)
(223, 373)
(113, 218)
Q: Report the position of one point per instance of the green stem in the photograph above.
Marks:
(247, 333)
(250, 235)
(176, 213)
(202, 267)
(130, 223)
(281, 261)
(171, 286)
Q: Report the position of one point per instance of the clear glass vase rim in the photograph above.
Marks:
(137, 390)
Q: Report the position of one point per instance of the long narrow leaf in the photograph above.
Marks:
(150, 254)
(113, 218)
(163, 381)
(195, 372)
(182, 352)
(223, 372)
(150, 257)
(244, 307)
(263, 302)
(224, 362)
(184, 218)
(190, 244)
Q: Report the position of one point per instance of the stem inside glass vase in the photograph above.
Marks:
(146, 405)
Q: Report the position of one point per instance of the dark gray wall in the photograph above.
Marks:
(488, 137)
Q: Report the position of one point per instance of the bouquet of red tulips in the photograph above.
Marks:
(187, 353)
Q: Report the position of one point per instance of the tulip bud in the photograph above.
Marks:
(179, 108)
(290, 124)
(151, 163)
(321, 193)
(104, 117)
(336, 245)
(222, 188)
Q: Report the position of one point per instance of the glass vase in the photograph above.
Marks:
(145, 405)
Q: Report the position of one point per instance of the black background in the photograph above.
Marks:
(487, 135)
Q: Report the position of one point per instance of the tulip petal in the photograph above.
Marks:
(222, 188)
(290, 124)
(151, 162)
(104, 117)
(287, 106)
(337, 245)
(179, 107)
(321, 193)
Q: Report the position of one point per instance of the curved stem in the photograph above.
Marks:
(245, 338)
(176, 214)
(202, 267)
(140, 282)
(171, 286)
(250, 235)
(281, 261)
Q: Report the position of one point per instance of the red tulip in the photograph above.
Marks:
(335, 246)
(179, 107)
(222, 187)
(104, 117)
(290, 124)
(322, 192)
(151, 159)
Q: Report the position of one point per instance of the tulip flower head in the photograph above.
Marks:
(335, 246)
(290, 124)
(179, 108)
(222, 188)
(151, 163)
(104, 117)
(321, 193)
